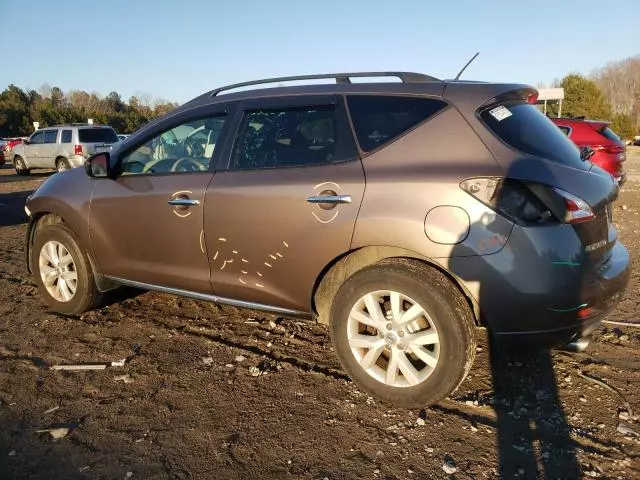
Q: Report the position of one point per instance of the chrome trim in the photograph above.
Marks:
(206, 297)
(184, 202)
(330, 199)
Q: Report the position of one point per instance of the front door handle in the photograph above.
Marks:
(335, 199)
(184, 202)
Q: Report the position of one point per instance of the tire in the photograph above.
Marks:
(85, 295)
(62, 164)
(443, 334)
(20, 166)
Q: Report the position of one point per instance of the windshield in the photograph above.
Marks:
(528, 130)
(97, 135)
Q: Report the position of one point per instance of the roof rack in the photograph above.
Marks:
(341, 78)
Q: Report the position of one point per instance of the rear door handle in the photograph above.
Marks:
(335, 199)
(184, 202)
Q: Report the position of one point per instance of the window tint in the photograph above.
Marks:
(379, 119)
(611, 135)
(66, 136)
(527, 129)
(292, 137)
(97, 135)
(50, 136)
(37, 137)
(186, 148)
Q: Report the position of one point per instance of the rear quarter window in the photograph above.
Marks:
(526, 129)
(379, 119)
(97, 135)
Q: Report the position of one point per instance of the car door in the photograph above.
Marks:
(287, 203)
(146, 225)
(32, 149)
(47, 150)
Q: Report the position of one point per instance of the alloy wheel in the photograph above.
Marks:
(393, 338)
(58, 271)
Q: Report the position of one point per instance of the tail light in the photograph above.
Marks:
(533, 98)
(77, 149)
(577, 210)
(528, 204)
(510, 198)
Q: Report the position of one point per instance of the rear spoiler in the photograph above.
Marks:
(528, 94)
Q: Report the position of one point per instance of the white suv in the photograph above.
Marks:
(62, 147)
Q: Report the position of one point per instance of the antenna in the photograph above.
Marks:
(465, 67)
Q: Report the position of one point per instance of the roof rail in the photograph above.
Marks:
(341, 78)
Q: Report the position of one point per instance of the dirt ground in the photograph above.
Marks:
(217, 392)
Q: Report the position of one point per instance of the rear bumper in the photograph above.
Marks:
(76, 160)
(542, 289)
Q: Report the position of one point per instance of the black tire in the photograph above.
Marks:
(449, 312)
(62, 164)
(20, 166)
(86, 295)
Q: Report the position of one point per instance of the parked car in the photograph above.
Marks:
(62, 147)
(9, 145)
(2, 159)
(122, 137)
(636, 140)
(609, 150)
(402, 215)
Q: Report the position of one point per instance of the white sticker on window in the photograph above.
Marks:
(500, 113)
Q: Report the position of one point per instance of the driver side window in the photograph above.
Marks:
(188, 147)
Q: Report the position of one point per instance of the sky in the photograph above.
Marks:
(177, 50)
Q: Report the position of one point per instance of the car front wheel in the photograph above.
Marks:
(20, 166)
(62, 271)
(403, 332)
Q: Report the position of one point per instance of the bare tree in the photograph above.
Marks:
(620, 83)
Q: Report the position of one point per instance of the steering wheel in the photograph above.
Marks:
(186, 164)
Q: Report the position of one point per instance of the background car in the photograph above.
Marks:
(122, 136)
(9, 146)
(62, 147)
(610, 150)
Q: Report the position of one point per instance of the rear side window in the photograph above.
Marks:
(97, 135)
(565, 130)
(66, 136)
(611, 135)
(292, 137)
(50, 136)
(379, 119)
(527, 129)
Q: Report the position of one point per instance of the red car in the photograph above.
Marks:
(12, 142)
(609, 150)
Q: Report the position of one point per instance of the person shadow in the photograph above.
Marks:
(533, 432)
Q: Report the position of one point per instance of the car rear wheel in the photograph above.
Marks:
(20, 166)
(62, 271)
(62, 164)
(403, 332)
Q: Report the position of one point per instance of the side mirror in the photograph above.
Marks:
(98, 165)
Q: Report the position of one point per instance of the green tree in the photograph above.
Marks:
(623, 125)
(14, 112)
(582, 97)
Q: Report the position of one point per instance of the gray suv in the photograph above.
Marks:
(62, 147)
(402, 215)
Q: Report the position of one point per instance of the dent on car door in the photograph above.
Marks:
(147, 224)
(287, 204)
